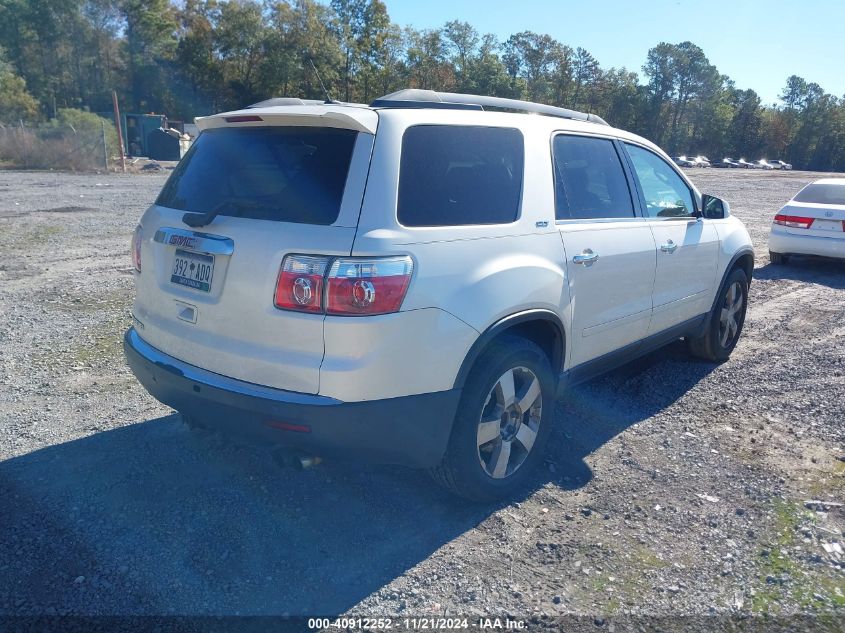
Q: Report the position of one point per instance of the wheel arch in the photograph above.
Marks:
(540, 326)
(743, 259)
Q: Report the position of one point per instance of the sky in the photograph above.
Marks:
(757, 43)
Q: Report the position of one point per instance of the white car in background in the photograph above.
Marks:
(779, 164)
(812, 223)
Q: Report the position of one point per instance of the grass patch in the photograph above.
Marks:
(644, 559)
(828, 481)
(35, 236)
(119, 299)
(102, 344)
(784, 578)
(627, 586)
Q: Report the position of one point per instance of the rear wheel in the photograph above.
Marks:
(778, 258)
(502, 424)
(725, 323)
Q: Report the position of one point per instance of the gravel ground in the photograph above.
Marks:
(674, 487)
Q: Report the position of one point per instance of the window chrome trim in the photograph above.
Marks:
(194, 241)
(575, 221)
(217, 381)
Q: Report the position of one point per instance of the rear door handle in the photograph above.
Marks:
(587, 257)
(669, 247)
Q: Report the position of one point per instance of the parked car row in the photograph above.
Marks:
(698, 161)
(730, 163)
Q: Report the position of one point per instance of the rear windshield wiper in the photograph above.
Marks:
(202, 219)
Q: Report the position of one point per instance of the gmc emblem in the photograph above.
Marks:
(183, 240)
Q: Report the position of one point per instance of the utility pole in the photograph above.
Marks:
(119, 131)
(105, 148)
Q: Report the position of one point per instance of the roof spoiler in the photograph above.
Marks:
(286, 101)
(416, 98)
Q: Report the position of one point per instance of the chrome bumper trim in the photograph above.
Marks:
(191, 240)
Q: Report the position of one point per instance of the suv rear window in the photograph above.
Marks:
(287, 174)
(452, 175)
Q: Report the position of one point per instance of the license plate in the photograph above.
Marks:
(193, 270)
(827, 225)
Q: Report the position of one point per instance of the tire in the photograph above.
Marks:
(497, 441)
(724, 325)
(778, 259)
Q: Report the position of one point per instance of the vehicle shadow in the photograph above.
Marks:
(152, 519)
(807, 268)
(591, 414)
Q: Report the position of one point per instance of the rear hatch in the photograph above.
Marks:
(255, 186)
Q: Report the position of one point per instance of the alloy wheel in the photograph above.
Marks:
(731, 314)
(509, 421)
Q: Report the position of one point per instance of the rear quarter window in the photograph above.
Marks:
(286, 174)
(453, 175)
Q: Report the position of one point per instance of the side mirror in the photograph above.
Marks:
(714, 208)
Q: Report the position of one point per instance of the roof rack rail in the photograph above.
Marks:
(416, 98)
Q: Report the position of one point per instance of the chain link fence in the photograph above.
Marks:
(58, 146)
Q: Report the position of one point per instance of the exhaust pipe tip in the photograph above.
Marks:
(308, 462)
(287, 458)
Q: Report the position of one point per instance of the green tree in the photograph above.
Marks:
(461, 42)
(240, 40)
(489, 75)
(195, 56)
(586, 76)
(427, 60)
(532, 58)
(16, 103)
(661, 72)
(150, 29)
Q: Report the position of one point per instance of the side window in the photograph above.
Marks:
(452, 175)
(589, 179)
(666, 194)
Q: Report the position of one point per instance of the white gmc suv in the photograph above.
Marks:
(414, 281)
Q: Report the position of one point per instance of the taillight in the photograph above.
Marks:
(136, 248)
(343, 286)
(300, 284)
(367, 285)
(794, 221)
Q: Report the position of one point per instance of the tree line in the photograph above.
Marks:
(194, 57)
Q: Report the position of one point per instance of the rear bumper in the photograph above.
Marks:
(410, 430)
(783, 242)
